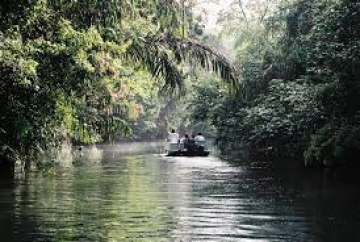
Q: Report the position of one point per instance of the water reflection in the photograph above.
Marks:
(111, 195)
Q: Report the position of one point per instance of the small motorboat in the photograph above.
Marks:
(188, 153)
(177, 149)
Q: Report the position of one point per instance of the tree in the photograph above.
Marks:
(64, 62)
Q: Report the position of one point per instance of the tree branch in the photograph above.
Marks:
(243, 11)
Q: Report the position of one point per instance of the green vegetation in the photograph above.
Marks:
(300, 70)
(95, 71)
(83, 71)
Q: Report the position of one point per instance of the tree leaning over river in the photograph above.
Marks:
(66, 67)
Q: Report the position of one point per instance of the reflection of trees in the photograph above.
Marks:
(7, 207)
(95, 202)
(143, 198)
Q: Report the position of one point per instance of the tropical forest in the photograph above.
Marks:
(265, 81)
(93, 71)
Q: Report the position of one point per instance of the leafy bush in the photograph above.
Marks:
(279, 120)
(321, 45)
(334, 144)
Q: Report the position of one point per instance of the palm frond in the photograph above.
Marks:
(159, 62)
(163, 53)
(206, 57)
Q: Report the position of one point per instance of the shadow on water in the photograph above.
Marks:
(130, 192)
(7, 186)
(329, 198)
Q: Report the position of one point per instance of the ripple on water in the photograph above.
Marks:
(122, 197)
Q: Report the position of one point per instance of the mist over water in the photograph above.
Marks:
(130, 192)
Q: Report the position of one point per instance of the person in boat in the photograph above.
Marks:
(185, 141)
(173, 140)
(173, 137)
(199, 142)
(191, 143)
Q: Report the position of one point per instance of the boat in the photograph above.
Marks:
(177, 149)
(188, 153)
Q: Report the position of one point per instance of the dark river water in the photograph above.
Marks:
(117, 193)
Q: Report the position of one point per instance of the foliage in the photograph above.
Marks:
(313, 45)
(333, 145)
(72, 71)
(282, 119)
(332, 57)
(203, 104)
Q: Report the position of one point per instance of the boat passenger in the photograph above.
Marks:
(199, 137)
(200, 141)
(191, 143)
(185, 141)
(173, 137)
(173, 141)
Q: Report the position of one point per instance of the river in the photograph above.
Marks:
(131, 193)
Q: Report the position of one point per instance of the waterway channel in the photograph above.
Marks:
(132, 193)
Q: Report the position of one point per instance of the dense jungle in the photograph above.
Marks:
(277, 78)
